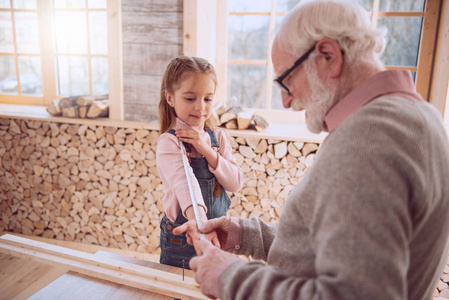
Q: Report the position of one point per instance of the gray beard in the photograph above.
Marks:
(324, 97)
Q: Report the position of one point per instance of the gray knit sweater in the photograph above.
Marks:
(369, 220)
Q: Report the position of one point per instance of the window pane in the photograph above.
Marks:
(248, 37)
(27, 34)
(402, 49)
(30, 75)
(73, 76)
(4, 4)
(100, 75)
(8, 79)
(6, 40)
(366, 4)
(249, 5)
(247, 83)
(71, 32)
(69, 3)
(97, 4)
(276, 99)
(24, 4)
(402, 6)
(98, 32)
(285, 5)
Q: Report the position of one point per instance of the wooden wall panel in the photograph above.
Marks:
(152, 5)
(142, 89)
(152, 36)
(145, 112)
(147, 59)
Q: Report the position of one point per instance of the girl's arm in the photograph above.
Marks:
(227, 171)
(171, 170)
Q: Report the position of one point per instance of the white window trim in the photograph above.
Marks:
(47, 54)
(195, 24)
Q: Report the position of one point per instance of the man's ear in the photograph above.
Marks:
(330, 58)
(169, 98)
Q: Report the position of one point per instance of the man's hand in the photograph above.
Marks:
(192, 233)
(219, 225)
(208, 266)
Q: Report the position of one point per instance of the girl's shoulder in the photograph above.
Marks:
(166, 139)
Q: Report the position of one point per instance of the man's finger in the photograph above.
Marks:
(193, 264)
(180, 229)
(201, 246)
(216, 242)
(209, 226)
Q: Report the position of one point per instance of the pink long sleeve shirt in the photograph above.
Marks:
(171, 170)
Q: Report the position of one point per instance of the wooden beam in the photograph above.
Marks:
(427, 48)
(199, 28)
(221, 51)
(440, 78)
(115, 60)
(161, 282)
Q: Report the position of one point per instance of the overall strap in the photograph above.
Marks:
(213, 138)
(186, 145)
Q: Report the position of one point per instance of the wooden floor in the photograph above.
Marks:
(21, 278)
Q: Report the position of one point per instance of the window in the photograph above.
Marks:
(55, 48)
(411, 25)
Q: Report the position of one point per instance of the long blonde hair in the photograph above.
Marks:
(171, 81)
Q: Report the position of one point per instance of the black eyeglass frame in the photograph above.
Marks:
(278, 80)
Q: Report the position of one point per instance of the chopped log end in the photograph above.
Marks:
(260, 123)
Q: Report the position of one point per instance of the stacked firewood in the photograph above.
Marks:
(234, 117)
(80, 107)
(99, 184)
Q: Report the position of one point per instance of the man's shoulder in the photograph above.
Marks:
(393, 111)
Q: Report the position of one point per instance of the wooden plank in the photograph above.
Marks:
(440, 78)
(78, 286)
(145, 263)
(221, 51)
(47, 49)
(190, 27)
(145, 59)
(115, 60)
(427, 48)
(152, 6)
(37, 282)
(104, 268)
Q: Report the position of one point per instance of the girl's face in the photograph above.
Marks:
(193, 101)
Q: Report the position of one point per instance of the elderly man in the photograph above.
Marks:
(370, 219)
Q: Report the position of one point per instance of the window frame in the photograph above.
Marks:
(425, 68)
(47, 54)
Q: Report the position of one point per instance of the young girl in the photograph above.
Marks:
(186, 103)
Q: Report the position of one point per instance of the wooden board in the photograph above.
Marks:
(77, 286)
(120, 272)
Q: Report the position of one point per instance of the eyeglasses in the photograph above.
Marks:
(278, 81)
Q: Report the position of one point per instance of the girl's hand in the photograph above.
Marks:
(193, 137)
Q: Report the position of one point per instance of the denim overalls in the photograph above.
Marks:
(174, 248)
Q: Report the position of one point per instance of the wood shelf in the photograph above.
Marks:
(297, 132)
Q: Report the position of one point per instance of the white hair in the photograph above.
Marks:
(344, 21)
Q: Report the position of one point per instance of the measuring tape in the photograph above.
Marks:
(192, 194)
